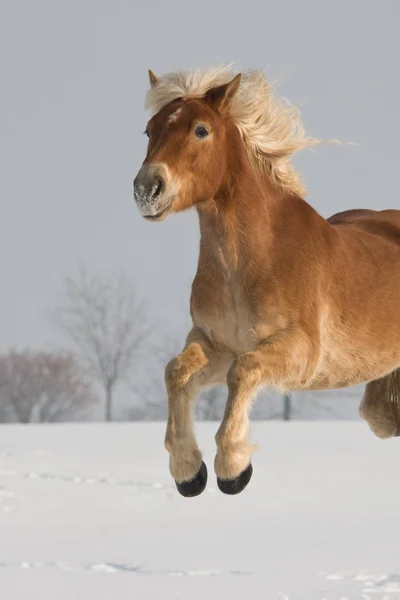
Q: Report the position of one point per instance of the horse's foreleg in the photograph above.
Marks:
(198, 365)
(284, 364)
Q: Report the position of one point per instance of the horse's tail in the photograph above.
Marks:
(380, 405)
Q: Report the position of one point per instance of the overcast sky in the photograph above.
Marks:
(73, 81)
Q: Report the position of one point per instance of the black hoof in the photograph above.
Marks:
(237, 485)
(195, 486)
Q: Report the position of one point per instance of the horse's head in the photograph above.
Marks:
(186, 155)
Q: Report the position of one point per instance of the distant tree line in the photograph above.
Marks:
(43, 387)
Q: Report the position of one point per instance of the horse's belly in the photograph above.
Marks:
(347, 361)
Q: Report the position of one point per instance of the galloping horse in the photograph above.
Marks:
(282, 297)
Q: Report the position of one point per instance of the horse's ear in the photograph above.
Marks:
(222, 96)
(153, 79)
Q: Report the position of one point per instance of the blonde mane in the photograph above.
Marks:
(270, 127)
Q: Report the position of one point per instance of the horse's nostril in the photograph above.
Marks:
(148, 186)
(156, 188)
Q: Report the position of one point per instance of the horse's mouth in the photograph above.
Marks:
(161, 215)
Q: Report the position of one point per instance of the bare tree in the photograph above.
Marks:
(66, 390)
(20, 388)
(6, 412)
(43, 386)
(107, 325)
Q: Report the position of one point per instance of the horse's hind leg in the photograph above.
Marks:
(380, 405)
(198, 365)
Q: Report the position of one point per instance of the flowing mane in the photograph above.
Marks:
(271, 128)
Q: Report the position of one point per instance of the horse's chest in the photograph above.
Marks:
(225, 316)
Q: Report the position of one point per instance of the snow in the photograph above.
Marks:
(89, 512)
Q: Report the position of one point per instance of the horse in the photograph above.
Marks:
(282, 297)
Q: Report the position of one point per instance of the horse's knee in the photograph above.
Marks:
(180, 369)
(173, 373)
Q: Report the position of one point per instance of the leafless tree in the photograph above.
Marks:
(6, 413)
(43, 386)
(107, 325)
(66, 389)
(20, 388)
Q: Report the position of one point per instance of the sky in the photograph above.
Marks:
(73, 82)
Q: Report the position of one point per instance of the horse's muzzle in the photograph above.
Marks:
(149, 189)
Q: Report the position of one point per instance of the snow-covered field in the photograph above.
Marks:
(88, 512)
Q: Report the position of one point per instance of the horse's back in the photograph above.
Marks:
(349, 216)
(384, 223)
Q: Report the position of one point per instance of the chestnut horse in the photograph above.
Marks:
(282, 297)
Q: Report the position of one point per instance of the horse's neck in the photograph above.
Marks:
(236, 226)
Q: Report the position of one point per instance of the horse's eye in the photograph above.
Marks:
(201, 132)
(146, 131)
